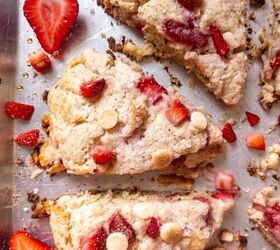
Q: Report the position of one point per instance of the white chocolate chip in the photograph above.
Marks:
(171, 233)
(108, 119)
(144, 211)
(229, 37)
(273, 160)
(117, 241)
(162, 159)
(198, 120)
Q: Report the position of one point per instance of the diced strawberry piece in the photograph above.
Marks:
(21, 240)
(93, 88)
(256, 141)
(228, 133)
(276, 206)
(276, 63)
(16, 110)
(181, 33)
(39, 60)
(177, 113)
(96, 241)
(119, 224)
(225, 196)
(276, 232)
(224, 181)
(101, 155)
(253, 119)
(188, 4)
(28, 138)
(209, 216)
(149, 86)
(259, 207)
(272, 217)
(219, 41)
(51, 21)
(153, 228)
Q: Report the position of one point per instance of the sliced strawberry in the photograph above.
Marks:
(96, 241)
(119, 224)
(16, 110)
(219, 41)
(228, 133)
(28, 138)
(177, 113)
(153, 228)
(21, 240)
(256, 141)
(39, 60)
(224, 181)
(181, 33)
(225, 196)
(276, 63)
(253, 119)
(92, 88)
(149, 86)
(188, 4)
(101, 155)
(51, 21)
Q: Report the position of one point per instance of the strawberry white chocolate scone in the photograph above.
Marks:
(120, 221)
(270, 75)
(207, 37)
(265, 213)
(107, 117)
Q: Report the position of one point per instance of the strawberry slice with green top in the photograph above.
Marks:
(253, 119)
(219, 41)
(16, 110)
(28, 138)
(96, 241)
(255, 141)
(51, 20)
(21, 240)
(39, 60)
(177, 113)
(228, 133)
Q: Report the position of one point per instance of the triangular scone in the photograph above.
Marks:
(265, 213)
(207, 37)
(120, 221)
(270, 76)
(131, 125)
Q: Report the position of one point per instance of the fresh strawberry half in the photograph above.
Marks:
(21, 240)
(16, 110)
(276, 63)
(153, 228)
(228, 133)
(51, 20)
(224, 181)
(119, 224)
(93, 88)
(219, 41)
(149, 86)
(181, 33)
(177, 113)
(29, 138)
(253, 119)
(225, 195)
(255, 141)
(188, 4)
(39, 60)
(96, 241)
(101, 155)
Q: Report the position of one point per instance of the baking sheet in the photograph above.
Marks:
(17, 40)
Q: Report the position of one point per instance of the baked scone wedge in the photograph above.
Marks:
(270, 75)
(207, 37)
(107, 117)
(120, 221)
(265, 213)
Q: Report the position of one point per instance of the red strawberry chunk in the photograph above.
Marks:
(255, 141)
(119, 224)
(188, 4)
(219, 41)
(92, 88)
(101, 155)
(253, 119)
(276, 63)
(39, 60)
(21, 240)
(96, 241)
(224, 181)
(181, 33)
(272, 217)
(16, 110)
(51, 21)
(259, 207)
(28, 138)
(276, 206)
(209, 216)
(225, 195)
(177, 113)
(153, 228)
(228, 133)
(149, 86)
(276, 232)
